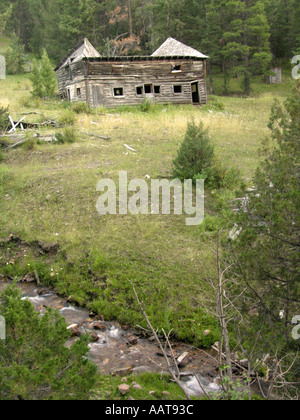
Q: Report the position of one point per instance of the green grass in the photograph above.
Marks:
(49, 194)
(154, 387)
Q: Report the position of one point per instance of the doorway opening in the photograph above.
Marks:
(195, 93)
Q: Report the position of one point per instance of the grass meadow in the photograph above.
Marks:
(48, 193)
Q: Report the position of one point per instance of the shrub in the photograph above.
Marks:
(146, 106)
(68, 135)
(30, 142)
(81, 108)
(44, 368)
(67, 118)
(196, 160)
(196, 155)
(4, 120)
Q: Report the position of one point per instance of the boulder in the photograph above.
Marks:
(99, 326)
(94, 338)
(124, 389)
(132, 340)
(74, 329)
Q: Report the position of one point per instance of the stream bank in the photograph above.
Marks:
(122, 351)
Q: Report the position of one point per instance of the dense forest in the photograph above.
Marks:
(233, 32)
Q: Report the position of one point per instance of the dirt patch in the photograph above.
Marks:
(42, 248)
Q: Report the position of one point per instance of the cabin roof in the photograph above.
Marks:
(83, 50)
(173, 48)
(124, 58)
(170, 50)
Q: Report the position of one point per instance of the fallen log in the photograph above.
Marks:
(98, 136)
(19, 143)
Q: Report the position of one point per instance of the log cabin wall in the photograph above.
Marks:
(109, 82)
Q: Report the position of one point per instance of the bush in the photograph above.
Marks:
(30, 142)
(68, 135)
(67, 118)
(4, 120)
(196, 160)
(196, 155)
(146, 106)
(35, 362)
(81, 108)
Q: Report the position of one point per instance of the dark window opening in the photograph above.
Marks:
(139, 90)
(79, 92)
(148, 89)
(177, 89)
(177, 68)
(118, 92)
(157, 90)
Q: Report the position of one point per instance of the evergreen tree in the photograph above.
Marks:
(15, 56)
(43, 77)
(48, 75)
(35, 364)
(196, 155)
(267, 250)
(4, 17)
(246, 47)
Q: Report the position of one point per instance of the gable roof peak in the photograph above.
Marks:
(83, 50)
(172, 48)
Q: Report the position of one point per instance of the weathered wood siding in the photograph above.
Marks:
(97, 80)
(72, 78)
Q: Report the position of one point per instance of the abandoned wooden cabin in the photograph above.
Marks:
(174, 74)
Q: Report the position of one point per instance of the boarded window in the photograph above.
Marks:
(148, 89)
(157, 90)
(118, 92)
(177, 89)
(139, 90)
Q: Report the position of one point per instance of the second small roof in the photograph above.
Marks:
(174, 48)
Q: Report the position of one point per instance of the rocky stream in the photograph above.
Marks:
(120, 350)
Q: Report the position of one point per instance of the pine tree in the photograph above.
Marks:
(246, 47)
(37, 81)
(48, 75)
(15, 56)
(267, 250)
(196, 155)
(4, 17)
(43, 77)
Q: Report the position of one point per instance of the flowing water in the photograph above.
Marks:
(121, 350)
